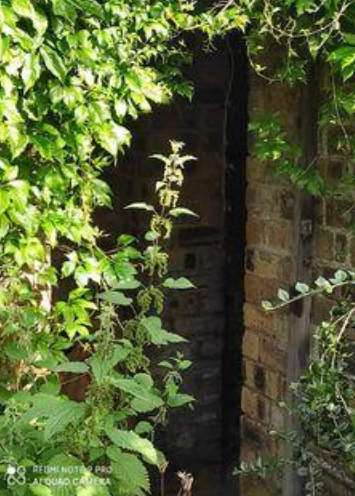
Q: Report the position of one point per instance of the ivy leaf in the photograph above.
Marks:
(18, 139)
(340, 276)
(65, 9)
(283, 295)
(22, 7)
(302, 288)
(88, 6)
(53, 62)
(181, 283)
(4, 200)
(324, 284)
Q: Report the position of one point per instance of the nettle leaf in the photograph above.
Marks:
(143, 427)
(63, 472)
(141, 206)
(127, 284)
(53, 62)
(39, 490)
(115, 297)
(73, 367)
(131, 441)
(130, 473)
(57, 412)
(143, 400)
(181, 283)
(126, 239)
(103, 363)
(180, 399)
(177, 212)
(175, 398)
(157, 335)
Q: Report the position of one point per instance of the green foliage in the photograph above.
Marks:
(113, 317)
(272, 146)
(74, 74)
(322, 400)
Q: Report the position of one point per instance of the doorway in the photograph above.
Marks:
(209, 251)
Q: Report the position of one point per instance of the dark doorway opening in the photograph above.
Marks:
(236, 151)
(209, 251)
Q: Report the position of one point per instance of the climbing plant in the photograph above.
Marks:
(322, 400)
(74, 74)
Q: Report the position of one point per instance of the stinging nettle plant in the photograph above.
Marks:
(103, 442)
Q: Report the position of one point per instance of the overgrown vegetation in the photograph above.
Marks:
(73, 75)
(51, 444)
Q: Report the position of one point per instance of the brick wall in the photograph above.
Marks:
(272, 261)
(269, 264)
(193, 439)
